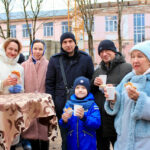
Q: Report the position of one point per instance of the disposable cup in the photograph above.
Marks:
(110, 92)
(103, 78)
(76, 107)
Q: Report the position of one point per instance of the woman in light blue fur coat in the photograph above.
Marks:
(132, 106)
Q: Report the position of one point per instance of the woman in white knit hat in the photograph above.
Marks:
(132, 103)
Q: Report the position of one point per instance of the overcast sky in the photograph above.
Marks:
(47, 5)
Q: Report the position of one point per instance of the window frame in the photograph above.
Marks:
(48, 29)
(13, 31)
(139, 27)
(111, 23)
(25, 33)
(64, 26)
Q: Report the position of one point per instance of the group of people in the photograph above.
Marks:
(70, 78)
(32, 73)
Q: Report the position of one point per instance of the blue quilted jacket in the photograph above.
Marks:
(81, 132)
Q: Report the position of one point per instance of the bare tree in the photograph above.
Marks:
(35, 9)
(120, 9)
(6, 4)
(2, 35)
(87, 9)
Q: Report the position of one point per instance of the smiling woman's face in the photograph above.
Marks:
(140, 62)
(12, 50)
(38, 49)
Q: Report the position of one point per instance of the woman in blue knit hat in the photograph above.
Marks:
(83, 121)
(132, 103)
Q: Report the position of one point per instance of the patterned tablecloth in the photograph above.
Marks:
(18, 110)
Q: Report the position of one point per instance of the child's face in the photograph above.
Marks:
(80, 91)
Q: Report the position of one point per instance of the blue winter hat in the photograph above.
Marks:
(82, 81)
(106, 45)
(67, 35)
(143, 47)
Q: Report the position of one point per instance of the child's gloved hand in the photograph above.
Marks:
(15, 89)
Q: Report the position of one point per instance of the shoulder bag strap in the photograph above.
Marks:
(63, 73)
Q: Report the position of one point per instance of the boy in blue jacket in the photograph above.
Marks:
(81, 122)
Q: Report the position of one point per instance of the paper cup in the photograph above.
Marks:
(75, 108)
(111, 92)
(103, 78)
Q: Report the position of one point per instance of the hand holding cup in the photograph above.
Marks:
(100, 80)
(79, 111)
(109, 92)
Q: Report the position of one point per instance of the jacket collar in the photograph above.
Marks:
(119, 58)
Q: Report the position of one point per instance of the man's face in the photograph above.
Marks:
(68, 46)
(107, 55)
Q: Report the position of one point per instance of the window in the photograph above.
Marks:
(13, 31)
(48, 29)
(65, 27)
(25, 30)
(139, 28)
(111, 23)
(89, 26)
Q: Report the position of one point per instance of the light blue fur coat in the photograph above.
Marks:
(132, 121)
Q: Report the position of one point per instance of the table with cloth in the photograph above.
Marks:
(18, 110)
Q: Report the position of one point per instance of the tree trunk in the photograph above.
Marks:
(90, 45)
(120, 9)
(119, 33)
(8, 27)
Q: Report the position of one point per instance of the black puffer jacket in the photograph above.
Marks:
(78, 65)
(117, 70)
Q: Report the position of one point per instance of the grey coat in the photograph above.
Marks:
(117, 70)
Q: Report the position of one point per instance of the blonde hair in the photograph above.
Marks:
(9, 40)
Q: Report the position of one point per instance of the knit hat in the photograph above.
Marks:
(82, 81)
(106, 45)
(67, 35)
(144, 47)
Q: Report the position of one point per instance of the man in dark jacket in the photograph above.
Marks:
(114, 66)
(76, 63)
(21, 58)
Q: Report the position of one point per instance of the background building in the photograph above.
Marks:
(135, 26)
